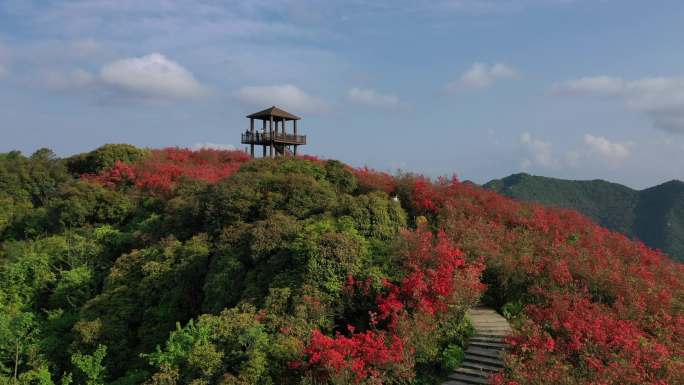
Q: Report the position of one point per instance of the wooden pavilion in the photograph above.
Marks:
(273, 135)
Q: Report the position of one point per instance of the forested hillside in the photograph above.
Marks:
(138, 266)
(654, 216)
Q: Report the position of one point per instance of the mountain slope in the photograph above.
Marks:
(660, 218)
(654, 215)
(126, 266)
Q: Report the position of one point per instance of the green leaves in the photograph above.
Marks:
(82, 203)
(100, 275)
(233, 345)
(452, 357)
(104, 157)
(329, 251)
(92, 371)
(17, 334)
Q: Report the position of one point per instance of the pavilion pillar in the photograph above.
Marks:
(253, 138)
(294, 122)
(271, 152)
(263, 134)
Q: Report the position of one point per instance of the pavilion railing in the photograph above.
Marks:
(276, 137)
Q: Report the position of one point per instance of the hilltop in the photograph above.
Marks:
(654, 215)
(170, 266)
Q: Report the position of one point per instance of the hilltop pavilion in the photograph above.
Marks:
(273, 136)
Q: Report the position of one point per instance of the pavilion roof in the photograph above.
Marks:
(275, 112)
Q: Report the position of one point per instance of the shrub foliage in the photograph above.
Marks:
(171, 266)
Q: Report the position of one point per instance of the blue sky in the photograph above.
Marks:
(576, 89)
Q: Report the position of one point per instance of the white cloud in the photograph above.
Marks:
(370, 97)
(151, 76)
(213, 146)
(286, 96)
(481, 76)
(660, 98)
(593, 149)
(613, 151)
(538, 152)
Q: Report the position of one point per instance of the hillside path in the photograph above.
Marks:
(483, 355)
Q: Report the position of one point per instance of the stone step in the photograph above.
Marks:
(497, 340)
(490, 325)
(469, 379)
(481, 328)
(483, 352)
(480, 366)
(490, 334)
(478, 327)
(487, 329)
(490, 314)
(483, 355)
(488, 345)
(497, 362)
(473, 372)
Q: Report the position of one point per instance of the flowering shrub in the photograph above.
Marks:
(600, 308)
(369, 180)
(162, 169)
(424, 195)
(435, 282)
(429, 285)
(603, 345)
(368, 355)
(589, 305)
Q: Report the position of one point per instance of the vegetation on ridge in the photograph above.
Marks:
(654, 215)
(128, 266)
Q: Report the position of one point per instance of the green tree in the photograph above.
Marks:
(17, 334)
(90, 367)
(104, 157)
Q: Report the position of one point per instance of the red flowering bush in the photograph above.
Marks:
(590, 306)
(370, 355)
(601, 309)
(424, 195)
(597, 340)
(369, 180)
(160, 171)
(436, 285)
(432, 270)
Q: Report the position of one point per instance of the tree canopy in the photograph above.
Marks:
(143, 266)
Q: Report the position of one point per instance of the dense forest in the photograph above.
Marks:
(162, 267)
(654, 215)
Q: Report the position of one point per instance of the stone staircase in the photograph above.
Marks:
(483, 355)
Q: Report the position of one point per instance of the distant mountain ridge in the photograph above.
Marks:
(654, 215)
